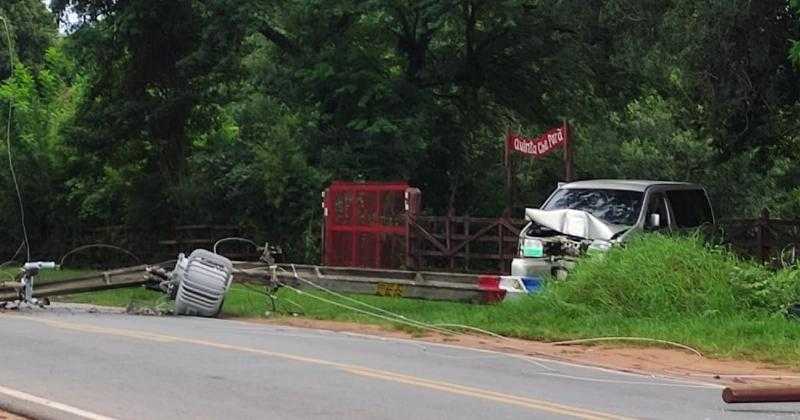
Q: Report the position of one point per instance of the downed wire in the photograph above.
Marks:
(406, 320)
(9, 276)
(107, 246)
(460, 326)
(394, 317)
(401, 319)
(8, 144)
(733, 375)
(233, 239)
(476, 329)
(653, 340)
(14, 257)
(269, 295)
(352, 308)
(273, 298)
(436, 326)
(302, 308)
(12, 260)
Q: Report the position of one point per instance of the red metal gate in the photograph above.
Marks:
(365, 224)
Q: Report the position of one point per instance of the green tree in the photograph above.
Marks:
(44, 102)
(32, 28)
(157, 72)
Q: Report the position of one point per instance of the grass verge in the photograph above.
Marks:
(769, 339)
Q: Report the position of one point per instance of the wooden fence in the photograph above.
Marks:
(461, 243)
(768, 240)
(473, 244)
(449, 243)
(166, 244)
(148, 245)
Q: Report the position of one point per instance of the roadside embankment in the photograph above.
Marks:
(665, 288)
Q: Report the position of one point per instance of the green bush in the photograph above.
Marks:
(656, 276)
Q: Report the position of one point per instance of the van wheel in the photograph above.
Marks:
(560, 274)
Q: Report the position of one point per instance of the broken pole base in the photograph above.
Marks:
(774, 394)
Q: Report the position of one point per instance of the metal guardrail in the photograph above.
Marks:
(113, 279)
(395, 283)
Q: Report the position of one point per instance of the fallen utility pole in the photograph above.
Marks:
(775, 394)
(112, 279)
(394, 283)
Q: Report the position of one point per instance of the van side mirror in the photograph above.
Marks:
(654, 221)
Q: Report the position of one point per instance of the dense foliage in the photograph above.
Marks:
(657, 276)
(152, 113)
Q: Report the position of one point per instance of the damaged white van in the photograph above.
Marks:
(594, 215)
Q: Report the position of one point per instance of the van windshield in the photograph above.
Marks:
(615, 207)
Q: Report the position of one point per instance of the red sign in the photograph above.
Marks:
(537, 146)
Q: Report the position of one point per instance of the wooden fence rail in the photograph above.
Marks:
(147, 245)
(461, 243)
(455, 243)
(489, 244)
(765, 239)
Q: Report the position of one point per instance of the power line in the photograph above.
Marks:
(8, 144)
(106, 246)
(387, 314)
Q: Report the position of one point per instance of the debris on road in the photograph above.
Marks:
(5, 415)
(198, 283)
(773, 394)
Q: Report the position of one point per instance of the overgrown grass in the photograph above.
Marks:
(667, 288)
(663, 277)
(118, 297)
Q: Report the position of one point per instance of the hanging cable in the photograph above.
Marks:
(644, 339)
(367, 305)
(14, 257)
(386, 314)
(471, 328)
(233, 239)
(274, 298)
(8, 144)
(361, 311)
(90, 246)
(394, 317)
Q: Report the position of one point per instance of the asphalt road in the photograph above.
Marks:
(59, 363)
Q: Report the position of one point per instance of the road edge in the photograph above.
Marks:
(39, 410)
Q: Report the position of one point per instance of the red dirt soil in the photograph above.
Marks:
(8, 416)
(674, 363)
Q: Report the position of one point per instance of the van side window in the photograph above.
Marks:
(690, 208)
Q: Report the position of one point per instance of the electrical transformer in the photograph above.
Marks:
(203, 278)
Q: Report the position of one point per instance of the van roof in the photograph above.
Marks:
(625, 184)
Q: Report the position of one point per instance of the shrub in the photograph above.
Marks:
(657, 276)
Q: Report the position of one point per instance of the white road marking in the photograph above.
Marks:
(52, 404)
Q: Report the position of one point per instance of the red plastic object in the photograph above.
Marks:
(491, 287)
(365, 224)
